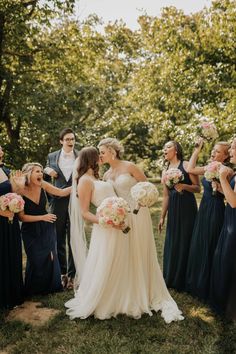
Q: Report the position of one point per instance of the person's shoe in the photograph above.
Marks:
(70, 284)
(64, 281)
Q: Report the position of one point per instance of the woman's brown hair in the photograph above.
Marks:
(88, 158)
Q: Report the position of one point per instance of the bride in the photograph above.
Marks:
(148, 290)
(105, 275)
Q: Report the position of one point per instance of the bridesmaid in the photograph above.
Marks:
(11, 282)
(42, 275)
(223, 277)
(181, 205)
(207, 226)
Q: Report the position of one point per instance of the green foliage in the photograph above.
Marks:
(144, 87)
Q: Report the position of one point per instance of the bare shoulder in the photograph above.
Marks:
(128, 165)
(85, 181)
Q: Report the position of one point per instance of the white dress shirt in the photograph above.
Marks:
(66, 163)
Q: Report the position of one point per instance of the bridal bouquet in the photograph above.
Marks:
(145, 194)
(113, 212)
(13, 202)
(172, 176)
(207, 129)
(212, 173)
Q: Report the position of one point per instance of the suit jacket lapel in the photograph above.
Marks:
(57, 163)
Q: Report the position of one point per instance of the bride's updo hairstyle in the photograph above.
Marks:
(88, 158)
(114, 146)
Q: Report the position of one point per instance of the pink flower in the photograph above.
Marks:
(13, 202)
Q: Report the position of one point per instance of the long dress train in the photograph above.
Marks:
(112, 281)
(147, 287)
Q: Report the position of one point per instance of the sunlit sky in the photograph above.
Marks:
(129, 10)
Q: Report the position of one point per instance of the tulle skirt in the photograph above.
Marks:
(122, 275)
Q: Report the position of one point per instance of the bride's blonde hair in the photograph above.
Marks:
(113, 145)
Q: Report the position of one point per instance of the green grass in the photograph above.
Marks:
(200, 332)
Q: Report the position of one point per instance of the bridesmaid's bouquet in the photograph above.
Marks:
(12, 202)
(212, 173)
(145, 194)
(207, 129)
(172, 176)
(112, 212)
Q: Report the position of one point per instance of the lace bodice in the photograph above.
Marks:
(122, 186)
(101, 191)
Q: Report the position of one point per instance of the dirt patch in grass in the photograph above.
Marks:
(32, 313)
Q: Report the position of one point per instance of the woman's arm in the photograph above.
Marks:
(33, 218)
(164, 208)
(85, 189)
(191, 167)
(60, 192)
(230, 194)
(17, 180)
(136, 172)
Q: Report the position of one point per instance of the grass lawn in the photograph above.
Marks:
(200, 332)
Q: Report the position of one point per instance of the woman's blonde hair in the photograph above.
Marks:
(28, 168)
(226, 146)
(113, 145)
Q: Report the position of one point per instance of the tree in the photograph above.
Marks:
(21, 23)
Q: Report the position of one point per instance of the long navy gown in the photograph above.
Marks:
(42, 274)
(207, 228)
(11, 282)
(223, 277)
(182, 210)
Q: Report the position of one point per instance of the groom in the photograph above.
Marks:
(59, 167)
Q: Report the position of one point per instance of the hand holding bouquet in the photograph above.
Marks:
(207, 129)
(12, 202)
(145, 194)
(212, 173)
(112, 212)
(172, 176)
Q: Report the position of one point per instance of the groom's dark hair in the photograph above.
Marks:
(65, 131)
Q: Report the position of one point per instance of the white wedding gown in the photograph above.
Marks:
(121, 274)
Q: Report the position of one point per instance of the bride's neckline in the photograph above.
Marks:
(121, 174)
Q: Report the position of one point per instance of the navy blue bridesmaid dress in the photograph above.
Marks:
(207, 228)
(42, 275)
(11, 281)
(223, 277)
(182, 210)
